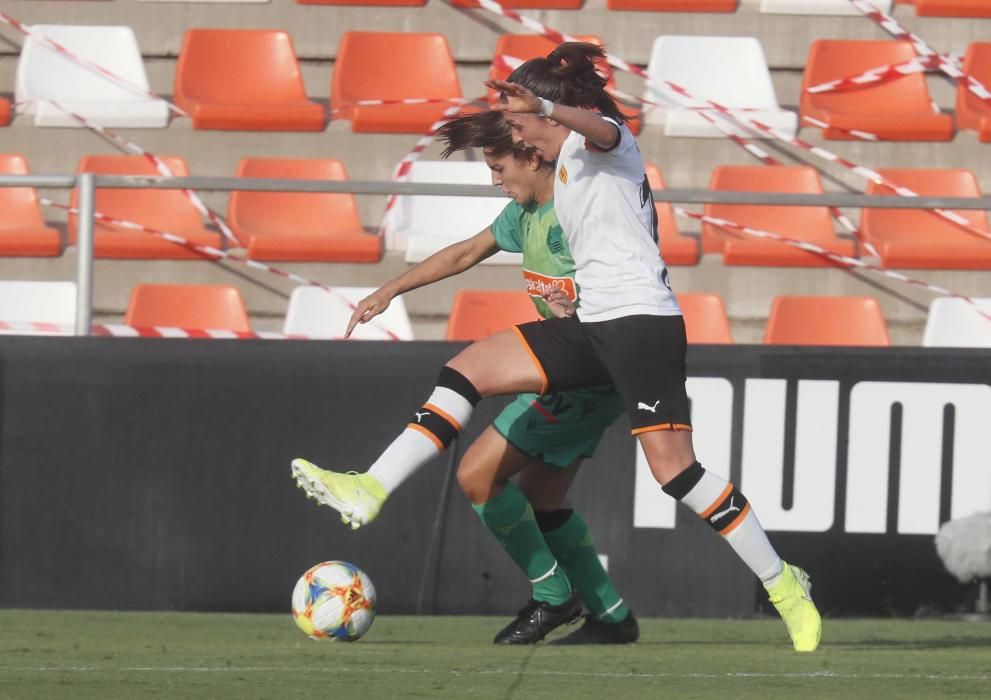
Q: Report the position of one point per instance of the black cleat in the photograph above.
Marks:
(626, 631)
(536, 619)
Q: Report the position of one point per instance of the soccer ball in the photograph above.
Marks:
(334, 600)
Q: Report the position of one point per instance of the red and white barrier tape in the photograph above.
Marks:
(122, 331)
(882, 74)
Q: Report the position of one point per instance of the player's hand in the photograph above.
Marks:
(559, 303)
(368, 308)
(518, 99)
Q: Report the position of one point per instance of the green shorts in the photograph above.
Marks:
(560, 428)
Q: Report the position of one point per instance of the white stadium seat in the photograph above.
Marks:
(818, 7)
(731, 71)
(317, 313)
(955, 323)
(44, 74)
(423, 225)
(39, 302)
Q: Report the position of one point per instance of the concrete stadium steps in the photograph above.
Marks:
(472, 33)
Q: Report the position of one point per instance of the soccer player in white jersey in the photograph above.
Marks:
(628, 330)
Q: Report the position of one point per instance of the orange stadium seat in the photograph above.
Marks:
(296, 225)
(811, 224)
(193, 306)
(22, 228)
(243, 79)
(165, 210)
(674, 5)
(823, 320)
(916, 238)
(706, 321)
(972, 111)
(900, 110)
(391, 66)
(528, 4)
(952, 8)
(4, 111)
(478, 314)
(391, 3)
(527, 46)
(676, 248)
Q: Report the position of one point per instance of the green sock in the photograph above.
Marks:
(571, 544)
(510, 518)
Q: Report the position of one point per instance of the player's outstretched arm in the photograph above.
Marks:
(452, 260)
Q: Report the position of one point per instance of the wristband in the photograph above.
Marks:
(546, 107)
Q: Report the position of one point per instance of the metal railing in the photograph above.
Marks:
(88, 183)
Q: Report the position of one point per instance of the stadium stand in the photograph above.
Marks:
(706, 321)
(318, 313)
(899, 110)
(299, 226)
(243, 79)
(811, 224)
(826, 320)
(956, 323)
(4, 111)
(817, 7)
(952, 8)
(388, 3)
(416, 65)
(190, 306)
(44, 75)
(478, 314)
(673, 5)
(676, 248)
(22, 228)
(528, 4)
(424, 225)
(916, 238)
(973, 112)
(729, 70)
(37, 302)
(164, 210)
(219, 1)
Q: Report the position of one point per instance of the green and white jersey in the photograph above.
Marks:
(547, 262)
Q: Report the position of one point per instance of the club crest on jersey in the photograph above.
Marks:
(563, 175)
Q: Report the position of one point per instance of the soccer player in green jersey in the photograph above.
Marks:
(541, 438)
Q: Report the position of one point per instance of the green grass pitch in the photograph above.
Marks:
(51, 654)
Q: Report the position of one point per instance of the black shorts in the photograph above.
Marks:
(643, 356)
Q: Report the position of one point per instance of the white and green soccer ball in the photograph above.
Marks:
(334, 600)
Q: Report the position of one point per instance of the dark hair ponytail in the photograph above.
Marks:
(485, 130)
(568, 76)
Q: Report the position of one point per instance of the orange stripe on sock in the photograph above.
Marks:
(445, 415)
(440, 445)
(661, 426)
(533, 356)
(715, 504)
(736, 523)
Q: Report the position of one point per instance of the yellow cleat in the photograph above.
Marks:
(357, 497)
(792, 596)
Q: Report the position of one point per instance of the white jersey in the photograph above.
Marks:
(606, 210)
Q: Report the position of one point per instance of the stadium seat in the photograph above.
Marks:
(22, 228)
(528, 4)
(165, 210)
(527, 46)
(900, 110)
(956, 323)
(676, 248)
(952, 8)
(824, 320)
(706, 321)
(477, 314)
(38, 302)
(916, 238)
(817, 7)
(414, 66)
(44, 75)
(296, 225)
(4, 111)
(391, 3)
(673, 5)
(811, 224)
(424, 225)
(317, 313)
(243, 79)
(729, 70)
(192, 306)
(973, 112)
